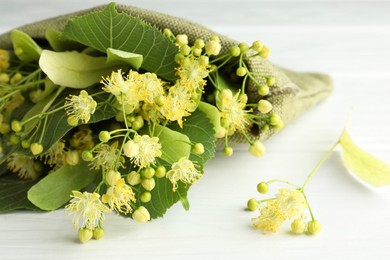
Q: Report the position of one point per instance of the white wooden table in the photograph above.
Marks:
(349, 40)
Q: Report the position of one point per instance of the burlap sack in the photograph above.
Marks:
(292, 93)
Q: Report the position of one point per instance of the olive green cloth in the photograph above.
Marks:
(292, 93)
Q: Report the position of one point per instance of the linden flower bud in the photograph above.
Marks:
(263, 90)
(264, 53)
(25, 144)
(257, 46)
(85, 234)
(298, 226)
(160, 171)
(275, 120)
(167, 32)
(241, 72)
(252, 204)
(179, 58)
(199, 43)
(14, 139)
(197, 52)
(213, 48)
(198, 149)
(113, 177)
(141, 215)
(130, 149)
(148, 172)
(235, 51)
(36, 148)
(243, 47)
(148, 184)
(262, 187)
(264, 106)
(16, 78)
(314, 227)
(220, 132)
(204, 60)
(228, 151)
(185, 50)
(181, 39)
(4, 128)
(271, 81)
(215, 38)
(72, 157)
(98, 233)
(134, 178)
(257, 149)
(145, 196)
(87, 156)
(138, 123)
(72, 120)
(104, 136)
(16, 126)
(4, 78)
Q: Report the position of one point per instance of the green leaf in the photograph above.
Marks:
(198, 129)
(109, 29)
(114, 56)
(212, 114)
(55, 189)
(366, 166)
(74, 69)
(59, 43)
(26, 49)
(174, 145)
(13, 194)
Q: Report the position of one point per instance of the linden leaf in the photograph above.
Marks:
(26, 49)
(109, 29)
(364, 165)
(212, 114)
(13, 194)
(73, 69)
(54, 190)
(174, 145)
(59, 43)
(114, 56)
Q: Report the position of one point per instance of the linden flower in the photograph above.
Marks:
(177, 104)
(119, 197)
(183, 170)
(193, 74)
(291, 202)
(23, 165)
(150, 88)
(287, 204)
(87, 210)
(80, 107)
(55, 156)
(232, 111)
(115, 83)
(143, 150)
(271, 218)
(105, 157)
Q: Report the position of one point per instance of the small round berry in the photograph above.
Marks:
(228, 151)
(87, 156)
(198, 149)
(262, 187)
(243, 47)
(16, 126)
(148, 184)
(263, 90)
(133, 178)
(148, 172)
(241, 71)
(235, 51)
(314, 227)
(252, 204)
(36, 148)
(145, 196)
(160, 171)
(257, 46)
(104, 136)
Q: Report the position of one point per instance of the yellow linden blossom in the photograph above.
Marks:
(233, 115)
(192, 73)
(80, 107)
(14, 102)
(147, 149)
(271, 218)
(23, 165)
(55, 156)
(115, 83)
(119, 197)
(177, 104)
(183, 170)
(150, 88)
(4, 59)
(87, 210)
(105, 157)
(291, 202)
(287, 204)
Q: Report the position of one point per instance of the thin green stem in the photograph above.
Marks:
(323, 159)
(308, 205)
(286, 182)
